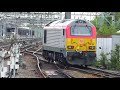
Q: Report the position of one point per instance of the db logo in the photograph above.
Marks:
(82, 41)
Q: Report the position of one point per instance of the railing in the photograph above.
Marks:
(12, 64)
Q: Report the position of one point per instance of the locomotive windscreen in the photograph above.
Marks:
(81, 31)
(10, 29)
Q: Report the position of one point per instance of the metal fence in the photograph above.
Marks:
(106, 44)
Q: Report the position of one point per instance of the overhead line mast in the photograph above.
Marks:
(67, 15)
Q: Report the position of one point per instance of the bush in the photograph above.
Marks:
(113, 63)
(103, 60)
(115, 59)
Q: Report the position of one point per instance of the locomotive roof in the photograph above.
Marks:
(62, 24)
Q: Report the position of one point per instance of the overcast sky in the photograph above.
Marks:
(82, 15)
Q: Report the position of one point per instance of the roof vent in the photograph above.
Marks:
(80, 21)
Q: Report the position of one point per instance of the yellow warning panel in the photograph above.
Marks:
(81, 44)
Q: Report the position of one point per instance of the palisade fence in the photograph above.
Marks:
(106, 44)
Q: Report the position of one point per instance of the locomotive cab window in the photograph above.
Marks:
(81, 31)
(45, 35)
(63, 32)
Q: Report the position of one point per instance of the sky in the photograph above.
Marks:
(82, 15)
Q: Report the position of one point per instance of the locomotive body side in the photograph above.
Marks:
(54, 40)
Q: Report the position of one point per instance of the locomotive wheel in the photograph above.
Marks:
(81, 66)
(86, 66)
(49, 61)
(64, 62)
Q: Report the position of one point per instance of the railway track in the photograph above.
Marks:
(6, 47)
(97, 72)
(46, 69)
(54, 71)
(6, 58)
(36, 58)
(106, 74)
(94, 71)
(71, 68)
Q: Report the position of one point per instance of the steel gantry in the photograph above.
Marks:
(39, 19)
(104, 16)
(26, 19)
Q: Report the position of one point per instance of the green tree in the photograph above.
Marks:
(107, 30)
(96, 22)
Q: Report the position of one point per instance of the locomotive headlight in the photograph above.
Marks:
(70, 47)
(92, 47)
